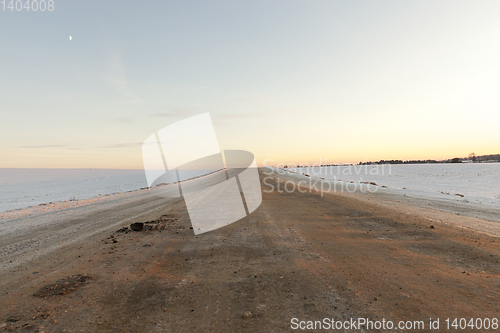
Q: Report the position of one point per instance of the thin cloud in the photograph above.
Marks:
(224, 119)
(254, 114)
(49, 147)
(43, 146)
(176, 113)
(248, 99)
(124, 120)
(123, 145)
(115, 73)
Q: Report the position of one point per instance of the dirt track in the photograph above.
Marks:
(299, 255)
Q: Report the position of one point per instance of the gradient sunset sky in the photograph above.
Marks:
(292, 81)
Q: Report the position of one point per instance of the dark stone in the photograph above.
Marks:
(138, 226)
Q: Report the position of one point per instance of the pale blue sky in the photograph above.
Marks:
(295, 81)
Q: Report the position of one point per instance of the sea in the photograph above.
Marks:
(22, 188)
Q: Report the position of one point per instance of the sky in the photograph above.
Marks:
(289, 81)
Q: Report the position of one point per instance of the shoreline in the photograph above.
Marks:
(58, 205)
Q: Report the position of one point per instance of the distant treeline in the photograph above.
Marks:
(492, 157)
(482, 158)
(472, 158)
(401, 162)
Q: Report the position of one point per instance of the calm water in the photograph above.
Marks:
(20, 188)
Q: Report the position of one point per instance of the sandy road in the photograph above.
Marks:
(299, 255)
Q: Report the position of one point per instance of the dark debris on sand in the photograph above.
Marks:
(63, 286)
(165, 222)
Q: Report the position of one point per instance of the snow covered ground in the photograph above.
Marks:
(464, 182)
